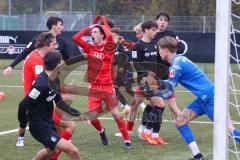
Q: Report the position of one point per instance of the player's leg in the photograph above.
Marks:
(22, 129)
(44, 154)
(69, 149)
(136, 101)
(21, 137)
(209, 110)
(111, 101)
(121, 98)
(145, 118)
(119, 82)
(63, 145)
(67, 128)
(193, 111)
(151, 132)
(234, 132)
(122, 128)
(93, 104)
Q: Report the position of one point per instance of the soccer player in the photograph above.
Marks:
(100, 63)
(163, 19)
(55, 26)
(185, 72)
(147, 61)
(139, 34)
(124, 77)
(32, 67)
(39, 104)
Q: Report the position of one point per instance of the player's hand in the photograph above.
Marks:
(121, 40)
(21, 131)
(152, 74)
(120, 70)
(67, 97)
(7, 71)
(84, 118)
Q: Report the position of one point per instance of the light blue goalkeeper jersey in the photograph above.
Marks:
(189, 75)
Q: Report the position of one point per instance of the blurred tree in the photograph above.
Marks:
(4, 7)
(116, 7)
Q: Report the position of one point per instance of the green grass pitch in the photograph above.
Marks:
(86, 137)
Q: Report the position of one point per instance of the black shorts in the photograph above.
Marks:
(47, 136)
(124, 79)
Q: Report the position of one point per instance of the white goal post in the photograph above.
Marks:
(222, 60)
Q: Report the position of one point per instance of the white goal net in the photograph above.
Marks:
(234, 71)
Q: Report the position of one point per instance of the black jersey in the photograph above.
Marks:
(122, 58)
(160, 35)
(146, 58)
(39, 103)
(62, 48)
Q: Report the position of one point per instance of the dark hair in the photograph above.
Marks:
(168, 42)
(148, 25)
(165, 14)
(51, 60)
(53, 21)
(44, 39)
(101, 30)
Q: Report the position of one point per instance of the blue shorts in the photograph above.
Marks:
(47, 136)
(201, 107)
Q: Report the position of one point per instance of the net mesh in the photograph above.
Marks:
(234, 87)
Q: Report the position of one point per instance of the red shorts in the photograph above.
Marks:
(101, 93)
(56, 116)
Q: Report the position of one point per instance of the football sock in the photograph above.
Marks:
(186, 133)
(122, 128)
(194, 148)
(158, 111)
(146, 112)
(130, 125)
(22, 134)
(96, 123)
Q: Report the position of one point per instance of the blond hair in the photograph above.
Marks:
(168, 42)
(137, 27)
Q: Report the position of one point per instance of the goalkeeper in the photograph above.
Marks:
(183, 71)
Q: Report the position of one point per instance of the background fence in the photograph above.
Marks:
(77, 20)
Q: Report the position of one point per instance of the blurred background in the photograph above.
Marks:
(187, 15)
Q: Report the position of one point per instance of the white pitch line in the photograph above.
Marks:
(10, 86)
(7, 86)
(9, 131)
(105, 118)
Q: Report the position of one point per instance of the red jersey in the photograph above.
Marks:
(100, 58)
(32, 67)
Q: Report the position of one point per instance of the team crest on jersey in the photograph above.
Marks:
(53, 138)
(171, 73)
(38, 69)
(110, 47)
(98, 55)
